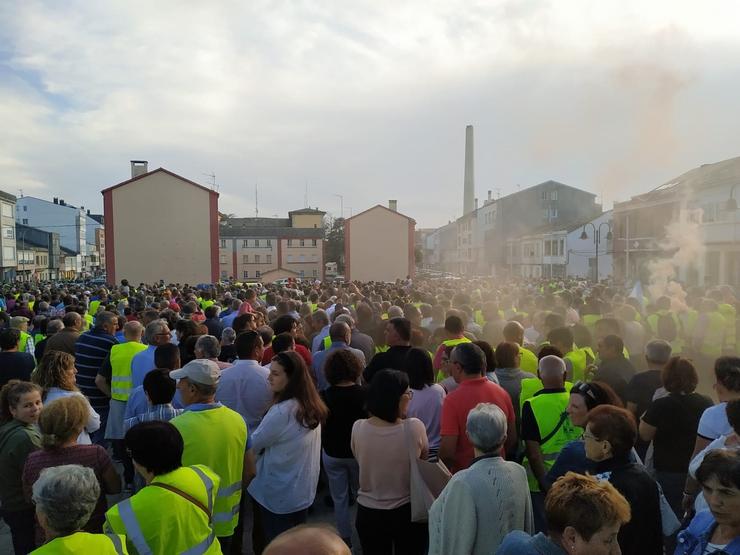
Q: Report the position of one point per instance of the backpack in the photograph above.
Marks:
(667, 329)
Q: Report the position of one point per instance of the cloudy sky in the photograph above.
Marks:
(365, 99)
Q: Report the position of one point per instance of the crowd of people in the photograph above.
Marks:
(442, 416)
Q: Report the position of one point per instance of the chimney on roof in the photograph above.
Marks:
(61, 202)
(393, 205)
(476, 204)
(489, 194)
(139, 167)
(56, 200)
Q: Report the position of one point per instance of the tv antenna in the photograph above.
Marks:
(212, 175)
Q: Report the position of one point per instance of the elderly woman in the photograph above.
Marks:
(584, 397)
(60, 424)
(583, 516)
(716, 530)
(460, 519)
(610, 435)
(381, 446)
(65, 497)
(208, 346)
(56, 375)
(670, 423)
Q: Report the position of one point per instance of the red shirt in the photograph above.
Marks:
(460, 402)
(300, 349)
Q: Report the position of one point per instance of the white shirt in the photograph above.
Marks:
(713, 422)
(93, 420)
(288, 457)
(243, 388)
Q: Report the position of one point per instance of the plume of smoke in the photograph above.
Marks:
(683, 240)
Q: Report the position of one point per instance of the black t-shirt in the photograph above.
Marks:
(15, 365)
(530, 428)
(641, 389)
(346, 405)
(676, 418)
(392, 358)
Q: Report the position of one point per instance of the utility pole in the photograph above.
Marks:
(341, 205)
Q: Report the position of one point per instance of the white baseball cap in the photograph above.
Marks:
(200, 370)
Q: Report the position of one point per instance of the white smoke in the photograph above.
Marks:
(683, 240)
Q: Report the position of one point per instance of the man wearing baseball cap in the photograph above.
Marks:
(25, 344)
(215, 436)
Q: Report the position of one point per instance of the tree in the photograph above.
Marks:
(334, 231)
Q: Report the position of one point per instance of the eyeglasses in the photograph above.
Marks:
(584, 389)
(409, 393)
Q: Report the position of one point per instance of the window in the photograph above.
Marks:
(246, 274)
(245, 243)
(269, 259)
(302, 258)
(8, 232)
(269, 242)
(553, 195)
(223, 259)
(553, 214)
(290, 258)
(290, 242)
(548, 248)
(256, 242)
(543, 195)
(301, 274)
(25, 221)
(256, 258)
(25, 208)
(315, 273)
(7, 210)
(224, 274)
(314, 242)
(258, 274)
(223, 243)
(562, 247)
(303, 243)
(245, 259)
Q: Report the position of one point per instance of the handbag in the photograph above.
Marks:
(426, 480)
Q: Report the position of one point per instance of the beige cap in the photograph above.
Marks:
(200, 370)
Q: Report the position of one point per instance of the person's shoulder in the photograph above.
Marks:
(514, 542)
(417, 425)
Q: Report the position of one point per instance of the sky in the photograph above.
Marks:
(367, 100)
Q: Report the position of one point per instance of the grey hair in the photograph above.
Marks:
(347, 319)
(320, 316)
(658, 351)
(67, 495)
(486, 427)
(228, 336)
(54, 326)
(153, 328)
(209, 346)
(470, 357)
(551, 366)
(204, 390)
(235, 304)
(395, 312)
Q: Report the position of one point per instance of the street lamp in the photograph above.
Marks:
(597, 240)
(341, 205)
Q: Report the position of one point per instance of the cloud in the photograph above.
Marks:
(368, 99)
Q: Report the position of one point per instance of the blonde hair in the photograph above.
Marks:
(62, 420)
(52, 371)
(585, 504)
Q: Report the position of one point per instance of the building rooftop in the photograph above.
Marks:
(7, 196)
(309, 211)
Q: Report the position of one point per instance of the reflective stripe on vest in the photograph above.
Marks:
(117, 543)
(455, 342)
(84, 542)
(133, 530)
(121, 355)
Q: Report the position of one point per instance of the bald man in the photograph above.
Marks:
(307, 540)
(514, 333)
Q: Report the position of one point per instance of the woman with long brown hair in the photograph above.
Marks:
(56, 375)
(287, 444)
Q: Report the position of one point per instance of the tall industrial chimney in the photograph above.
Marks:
(138, 167)
(469, 181)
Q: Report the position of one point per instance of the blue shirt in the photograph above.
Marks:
(165, 413)
(142, 364)
(138, 404)
(317, 363)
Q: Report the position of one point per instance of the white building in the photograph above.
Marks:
(75, 226)
(8, 255)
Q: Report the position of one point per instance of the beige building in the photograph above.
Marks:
(160, 226)
(379, 245)
(8, 255)
(266, 249)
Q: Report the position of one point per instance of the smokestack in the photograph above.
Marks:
(393, 205)
(489, 194)
(476, 203)
(138, 167)
(469, 180)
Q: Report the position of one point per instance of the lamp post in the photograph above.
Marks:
(597, 240)
(341, 205)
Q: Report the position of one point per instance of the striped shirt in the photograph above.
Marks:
(91, 349)
(165, 413)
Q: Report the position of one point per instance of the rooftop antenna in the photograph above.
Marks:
(212, 175)
(256, 203)
(305, 196)
(21, 192)
(498, 192)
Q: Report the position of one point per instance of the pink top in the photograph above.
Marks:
(383, 456)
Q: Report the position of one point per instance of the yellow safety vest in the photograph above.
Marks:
(23, 342)
(88, 320)
(714, 335)
(530, 386)
(121, 382)
(548, 410)
(589, 320)
(528, 360)
(327, 343)
(455, 342)
(82, 542)
(217, 437)
(578, 359)
(313, 306)
(381, 348)
(676, 343)
(478, 318)
(158, 521)
(729, 313)
(94, 305)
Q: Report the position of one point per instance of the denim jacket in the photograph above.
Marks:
(694, 539)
